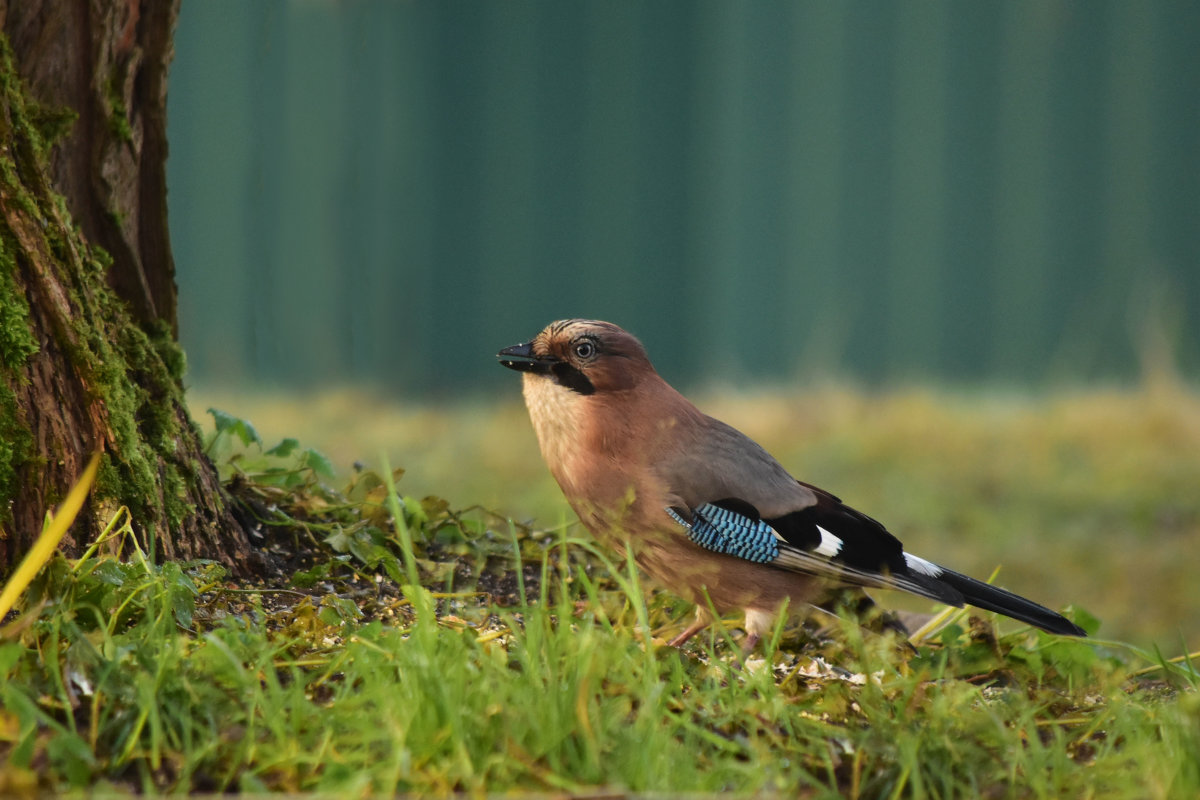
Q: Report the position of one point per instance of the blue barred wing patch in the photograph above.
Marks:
(724, 531)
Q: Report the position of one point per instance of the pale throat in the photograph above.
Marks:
(556, 413)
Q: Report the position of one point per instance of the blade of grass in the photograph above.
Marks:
(401, 524)
(422, 598)
(1186, 659)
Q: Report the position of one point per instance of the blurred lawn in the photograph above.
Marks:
(1090, 498)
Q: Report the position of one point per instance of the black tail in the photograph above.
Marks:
(991, 598)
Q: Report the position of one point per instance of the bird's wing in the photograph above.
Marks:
(734, 527)
(735, 498)
(859, 553)
(738, 500)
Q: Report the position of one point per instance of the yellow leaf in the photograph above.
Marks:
(44, 547)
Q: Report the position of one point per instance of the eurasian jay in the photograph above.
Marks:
(705, 510)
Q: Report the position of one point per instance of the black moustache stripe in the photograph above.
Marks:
(570, 377)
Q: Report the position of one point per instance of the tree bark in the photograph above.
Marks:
(88, 352)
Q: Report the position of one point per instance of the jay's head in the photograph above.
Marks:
(582, 355)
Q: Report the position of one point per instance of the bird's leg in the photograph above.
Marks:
(703, 620)
(758, 622)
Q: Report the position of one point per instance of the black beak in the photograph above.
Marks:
(521, 358)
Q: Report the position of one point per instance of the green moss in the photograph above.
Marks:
(170, 352)
(118, 114)
(53, 124)
(17, 342)
(175, 504)
(17, 345)
(16, 449)
(138, 377)
(97, 262)
(108, 478)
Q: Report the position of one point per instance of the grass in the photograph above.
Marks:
(526, 661)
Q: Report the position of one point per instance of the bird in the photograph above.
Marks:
(703, 509)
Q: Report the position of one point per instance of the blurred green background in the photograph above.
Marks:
(391, 191)
(942, 258)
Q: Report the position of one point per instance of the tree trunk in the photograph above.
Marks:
(88, 352)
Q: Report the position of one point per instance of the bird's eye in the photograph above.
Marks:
(584, 350)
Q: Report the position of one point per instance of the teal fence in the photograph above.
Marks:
(968, 191)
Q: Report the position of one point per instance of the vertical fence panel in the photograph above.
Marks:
(367, 78)
(512, 284)
(1023, 215)
(211, 183)
(654, 286)
(262, 206)
(817, 319)
(1069, 322)
(714, 297)
(609, 138)
(917, 283)
(866, 186)
(1128, 268)
(411, 321)
(1176, 168)
(973, 80)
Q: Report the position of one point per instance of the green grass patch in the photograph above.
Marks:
(405, 645)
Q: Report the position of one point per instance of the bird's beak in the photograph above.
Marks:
(521, 358)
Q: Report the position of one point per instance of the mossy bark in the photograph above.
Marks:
(88, 357)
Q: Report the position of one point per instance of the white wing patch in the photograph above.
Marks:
(918, 564)
(830, 545)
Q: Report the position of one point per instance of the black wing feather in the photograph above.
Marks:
(871, 556)
(866, 544)
(993, 598)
